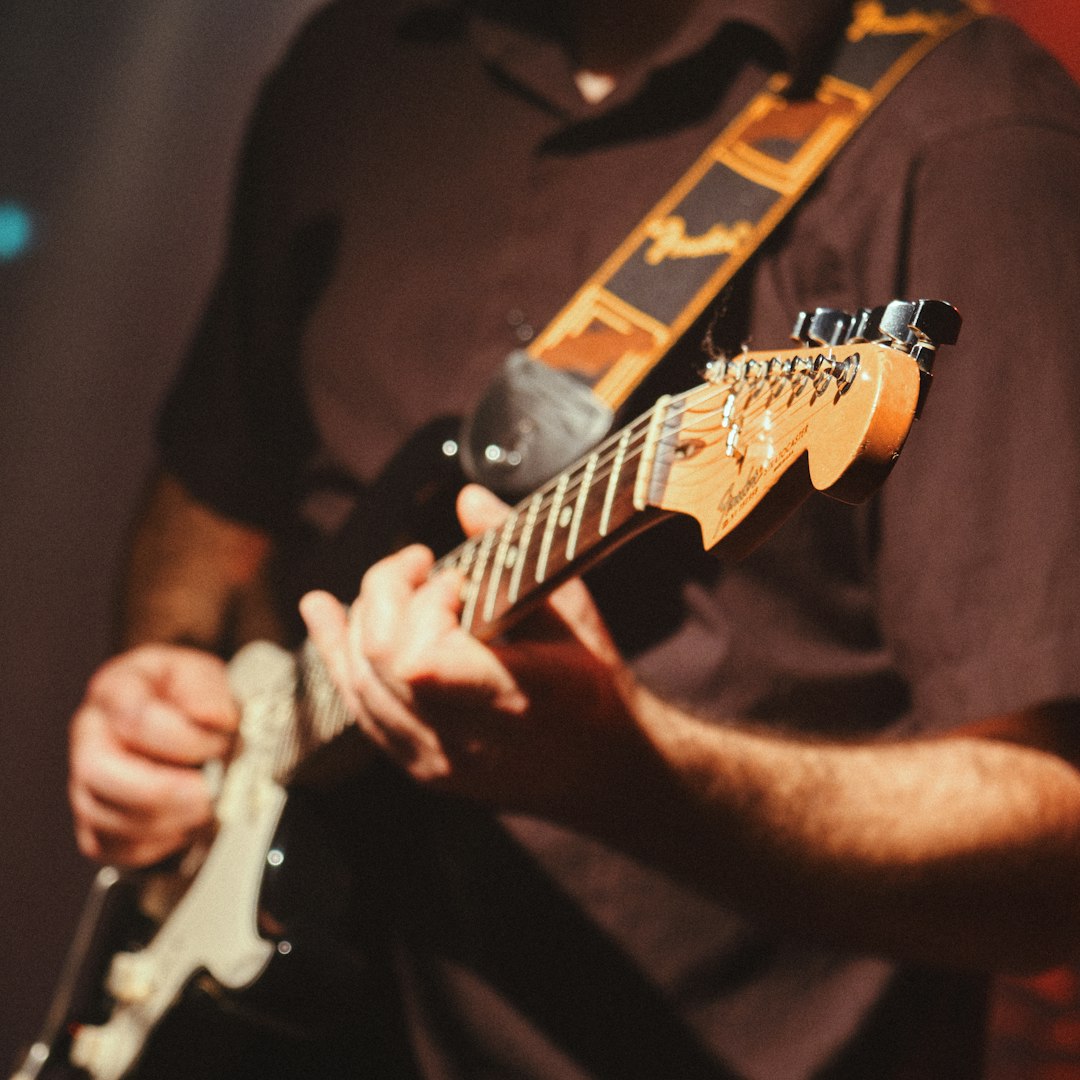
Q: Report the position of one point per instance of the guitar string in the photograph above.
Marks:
(643, 423)
(634, 434)
(637, 442)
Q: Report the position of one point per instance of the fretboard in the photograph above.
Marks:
(560, 529)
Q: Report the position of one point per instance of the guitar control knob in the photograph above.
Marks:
(131, 977)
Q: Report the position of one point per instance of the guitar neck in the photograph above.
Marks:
(712, 452)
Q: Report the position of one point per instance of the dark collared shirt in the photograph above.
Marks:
(421, 190)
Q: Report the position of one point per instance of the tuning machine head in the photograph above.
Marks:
(916, 327)
(823, 326)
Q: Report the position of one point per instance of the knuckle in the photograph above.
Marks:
(375, 580)
(414, 668)
(361, 670)
(102, 683)
(136, 853)
(430, 768)
(76, 793)
(79, 733)
(81, 774)
(131, 726)
(377, 641)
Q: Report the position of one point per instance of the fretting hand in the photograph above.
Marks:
(521, 724)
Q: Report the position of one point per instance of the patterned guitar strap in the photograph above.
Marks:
(554, 400)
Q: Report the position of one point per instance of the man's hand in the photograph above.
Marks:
(523, 724)
(150, 719)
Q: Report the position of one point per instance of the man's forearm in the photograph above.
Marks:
(194, 577)
(962, 850)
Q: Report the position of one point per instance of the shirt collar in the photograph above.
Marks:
(525, 41)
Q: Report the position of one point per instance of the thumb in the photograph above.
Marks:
(478, 509)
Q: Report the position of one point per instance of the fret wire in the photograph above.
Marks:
(657, 415)
(579, 506)
(505, 536)
(465, 554)
(637, 431)
(523, 547)
(549, 499)
(549, 530)
(613, 482)
(476, 576)
(568, 483)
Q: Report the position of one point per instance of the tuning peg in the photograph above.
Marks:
(867, 325)
(919, 327)
(927, 322)
(823, 326)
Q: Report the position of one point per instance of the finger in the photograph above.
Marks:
(125, 703)
(397, 731)
(327, 625)
(132, 811)
(479, 509)
(447, 666)
(163, 733)
(127, 845)
(379, 714)
(198, 684)
(132, 783)
(385, 593)
(194, 683)
(125, 850)
(103, 813)
(390, 721)
(572, 605)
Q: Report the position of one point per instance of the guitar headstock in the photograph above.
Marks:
(831, 416)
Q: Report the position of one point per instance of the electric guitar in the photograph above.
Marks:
(831, 415)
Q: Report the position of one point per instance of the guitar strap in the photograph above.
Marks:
(658, 282)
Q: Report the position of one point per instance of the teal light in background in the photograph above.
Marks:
(16, 231)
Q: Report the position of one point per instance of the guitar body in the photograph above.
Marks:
(411, 500)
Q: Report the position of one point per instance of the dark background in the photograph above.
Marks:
(119, 123)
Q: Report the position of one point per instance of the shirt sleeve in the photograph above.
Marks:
(235, 428)
(977, 572)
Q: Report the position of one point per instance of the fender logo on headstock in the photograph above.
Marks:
(733, 498)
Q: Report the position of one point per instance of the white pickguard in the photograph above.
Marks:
(213, 926)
